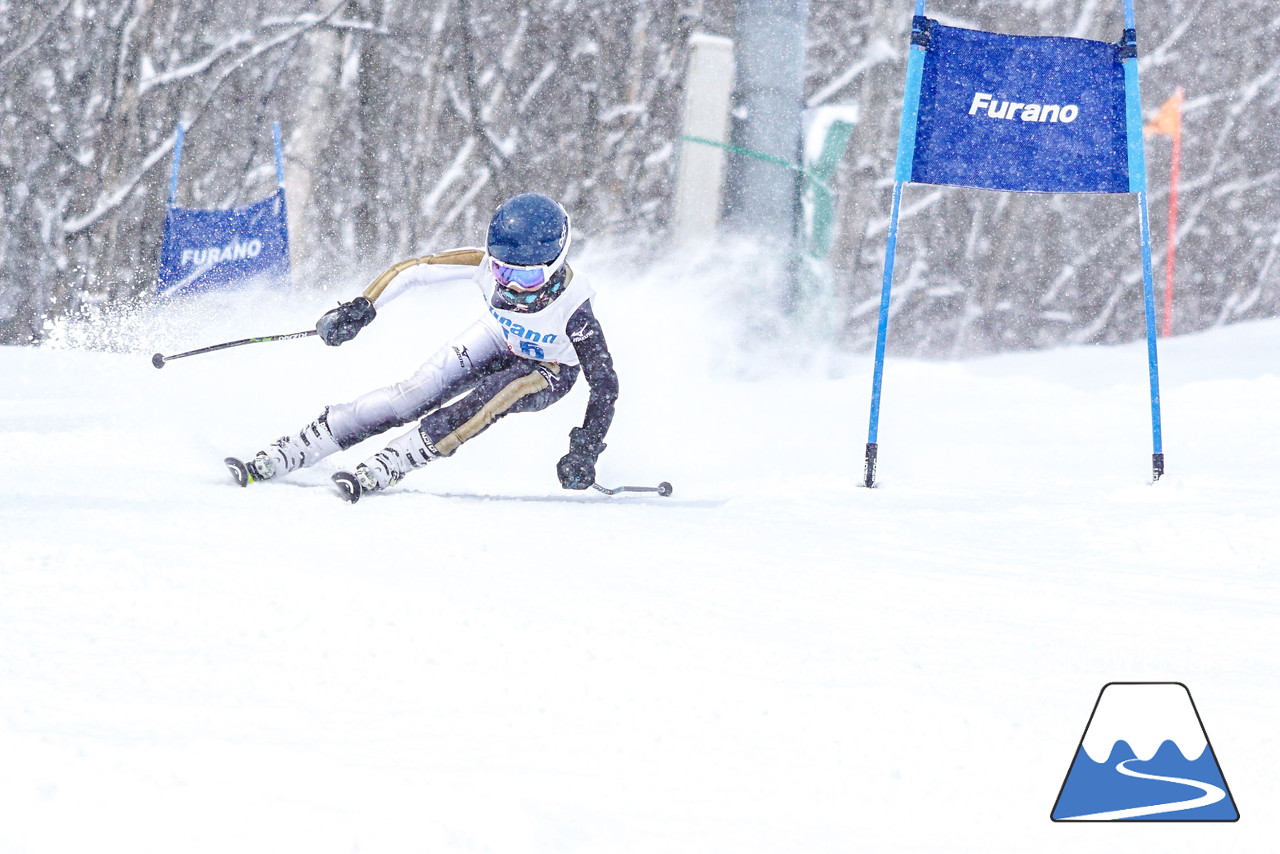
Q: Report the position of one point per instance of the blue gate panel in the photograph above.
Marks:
(204, 249)
(1025, 113)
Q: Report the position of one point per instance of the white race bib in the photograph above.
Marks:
(541, 335)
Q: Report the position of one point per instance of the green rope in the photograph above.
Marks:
(767, 158)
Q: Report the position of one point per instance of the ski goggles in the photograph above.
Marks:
(522, 279)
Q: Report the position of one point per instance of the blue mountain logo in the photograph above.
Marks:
(1145, 756)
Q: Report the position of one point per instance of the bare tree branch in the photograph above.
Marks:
(35, 39)
(117, 196)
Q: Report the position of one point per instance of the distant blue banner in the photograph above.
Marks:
(1028, 113)
(211, 248)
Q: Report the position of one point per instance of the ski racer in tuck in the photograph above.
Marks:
(523, 355)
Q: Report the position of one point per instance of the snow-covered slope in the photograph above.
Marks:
(772, 659)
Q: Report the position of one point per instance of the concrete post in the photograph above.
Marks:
(707, 98)
(764, 198)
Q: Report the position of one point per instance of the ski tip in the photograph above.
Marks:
(348, 487)
(239, 471)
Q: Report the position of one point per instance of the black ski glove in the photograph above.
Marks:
(577, 469)
(341, 324)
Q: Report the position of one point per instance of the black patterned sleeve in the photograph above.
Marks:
(597, 367)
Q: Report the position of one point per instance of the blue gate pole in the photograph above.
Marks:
(1138, 185)
(284, 207)
(882, 333)
(902, 174)
(275, 136)
(1153, 363)
(177, 160)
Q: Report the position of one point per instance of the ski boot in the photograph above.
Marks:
(286, 454)
(387, 467)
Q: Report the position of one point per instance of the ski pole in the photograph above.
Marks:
(158, 359)
(662, 489)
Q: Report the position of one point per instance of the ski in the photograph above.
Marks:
(239, 471)
(348, 486)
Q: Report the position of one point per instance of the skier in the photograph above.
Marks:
(523, 355)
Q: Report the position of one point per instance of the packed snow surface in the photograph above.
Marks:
(772, 659)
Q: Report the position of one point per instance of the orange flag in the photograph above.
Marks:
(1169, 120)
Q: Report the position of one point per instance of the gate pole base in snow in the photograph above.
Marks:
(869, 469)
(1157, 467)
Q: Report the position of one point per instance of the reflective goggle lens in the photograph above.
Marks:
(519, 278)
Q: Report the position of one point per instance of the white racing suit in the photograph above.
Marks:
(499, 383)
(506, 362)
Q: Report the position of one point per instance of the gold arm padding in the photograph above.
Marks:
(531, 383)
(471, 257)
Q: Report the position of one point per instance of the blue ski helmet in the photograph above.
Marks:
(528, 243)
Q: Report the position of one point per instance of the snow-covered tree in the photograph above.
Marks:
(406, 123)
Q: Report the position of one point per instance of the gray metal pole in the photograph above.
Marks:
(764, 196)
